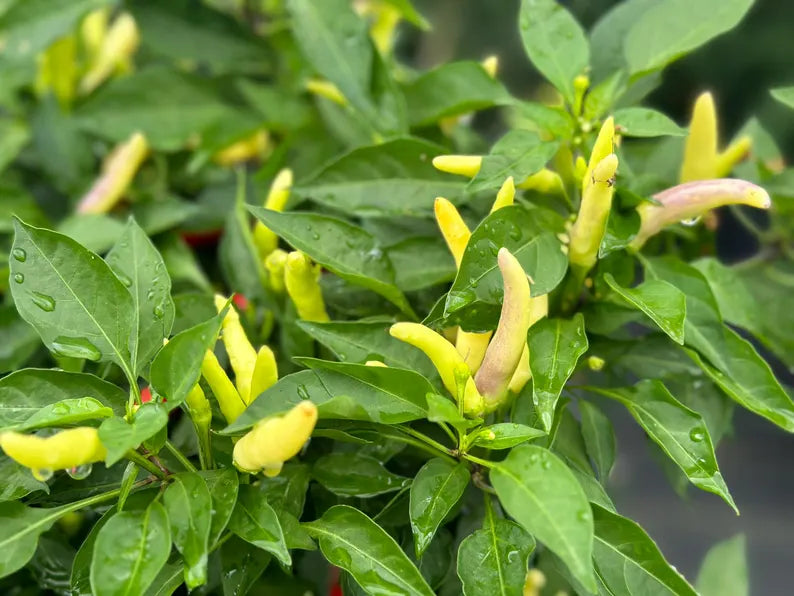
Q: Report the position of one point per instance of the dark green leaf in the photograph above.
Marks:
(724, 570)
(519, 153)
(438, 486)
(784, 95)
(18, 340)
(599, 437)
(555, 346)
(539, 491)
(243, 564)
(255, 521)
(139, 266)
(189, 503)
(420, 263)
(223, 486)
(22, 527)
(351, 540)
(80, 581)
(644, 122)
(119, 436)
(16, 481)
(505, 435)
(130, 550)
(355, 475)
(442, 409)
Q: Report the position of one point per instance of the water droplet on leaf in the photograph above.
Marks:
(44, 302)
(19, 254)
(19, 278)
(457, 300)
(303, 393)
(76, 347)
(80, 472)
(124, 279)
(697, 435)
(158, 311)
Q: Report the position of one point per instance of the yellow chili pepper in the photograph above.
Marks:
(491, 65)
(327, 90)
(230, 402)
(733, 154)
(275, 263)
(538, 308)
(463, 165)
(385, 18)
(198, 405)
(118, 170)
(590, 225)
(264, 239)
(603, 147)
(445, 358)
(242, 355)
(545, 181)
(63, 450)
(57, 70)
(265, 373)
(275, 440)
(115, 53)
(534, 582)
(302, 281)
(454, 230)
(251, 147)
(700, 150)
(375, 363)
(504, 352)
(687, 202)
(93, 30)
(506, 195)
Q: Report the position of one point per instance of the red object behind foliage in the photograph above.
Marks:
(146, 395)
(240, 301)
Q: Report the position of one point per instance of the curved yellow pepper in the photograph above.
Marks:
(229, 401)
(445, 358)
(302, 281)
(538, 308)
(242, 355)
(463, 165)
(264, 239)
(327, 90)
(733, 154)
(602, 148)
(61, 451)
(506, 195)
(115, 53)
(252, 146)
(454, 230)
(544, 181)
(275, 263)
(275, 440)
(700, 150)
(265, 373)
(93, 30)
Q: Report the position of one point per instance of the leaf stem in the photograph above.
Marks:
(180, 457)
(425, 443)
(144, 463)
(483, 462)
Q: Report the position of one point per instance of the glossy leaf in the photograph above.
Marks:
(389, 179)
(22, 527)
(442, 409)
(355, 475)
(139, 266)
(177, 367)
(438, 486)
(505, 435)
(644, 122)
(680, 432)
(189, 504)
(784, 95)
(421, 263)
(555, 346)
(243, 564)
(223, 486)
(65, 413)
(554, 42)
(599, 437)
(628, 562)
(351, 540)
(130, 550)
(71, 296)
(80, 580)
(119, 436)
(16, 481)
(662, 302)
(724, 570)
(358, 259)
(519, 153)
(255, 521)
(538, 490)
(18, 340)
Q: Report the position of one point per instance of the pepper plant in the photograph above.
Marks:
(280, 318)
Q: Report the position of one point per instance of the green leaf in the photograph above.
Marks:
(554, 42)
(644, 122)
(680, 432)
(130, 550)
(539, 491)
(784, 95)
(168, 580)
(493, 560)
(452, 89)
(724, 570)
(392, 178)
(287, 491)
(189, 503)
(438, 486)
(14, 135)
(255, 521)
(519, 153)
(97, 232)
(555, 345)
(664, 304)
(355, 475)
(32, 393)
(359, 259)
(16, 481)
(607, 35)
(223, 486)
(442, 409)
(671, 29)
(553, 121)
(359, 341)
(599, 438)
(22, 527)
(628, 562)
(504, 435)
(18, 340)
(243, 564)
(119, 436)
(65, 413)
(177, 367)
(529, 234)
(139, 266)
(421, 263)
(80, 580)
(729, 360)
(351, 540)
(71, 296)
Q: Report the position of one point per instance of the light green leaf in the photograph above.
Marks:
(784, 95)
(420, 263)
(724, 570)
(628, 562)
(14, 135)
(189, 504)
(442, 409)
(357, 259)
(66, 412)
(246, 561)
(351, 540)
(504, 435)
(680, 432)
(537, 489)
(555, 345)
(599, 438)
(71, 296)
(355, 475)
(16, 481)
(139, 266)
(644, 122)
(671, 29)
(255, 521)
(130, 550)
(80, 580)
(664, 304)
(608, 34)
(555, 43)
(438, 486)
(119, 436)
(22, 527)
(223, 486)
(18, 340)
(519, 153)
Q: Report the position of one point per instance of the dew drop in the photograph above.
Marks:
(515, 233)
(19, 254)
(474, 283)
(80, 472)
(19, 278)
(701, 461)
(44, 302)
(697, 435)
(547, 464)
(303, 392)
(42, 474)
(583, 515)
(124, 279)
(150, 294)
(458, 300)
(158, 311)
(690, 222)
(315, 236)
(533, 459)
(76, 347)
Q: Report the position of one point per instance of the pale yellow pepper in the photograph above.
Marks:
(115, 53)
(242, 355)
(301, 279)
(251, 147)
(275, 264)
(278, 195)
(62, 451)
(229, 400)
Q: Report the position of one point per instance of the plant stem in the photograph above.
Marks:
(144, 463)
(483, 462)
(93, 500)
(449, 432)
(180, 457)
(425, 444)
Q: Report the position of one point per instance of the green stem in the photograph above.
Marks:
(180, 457)
(449, 432)
(144, 463)
(93, 500)
(483, 462)
(205, 444)
(424, 443)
